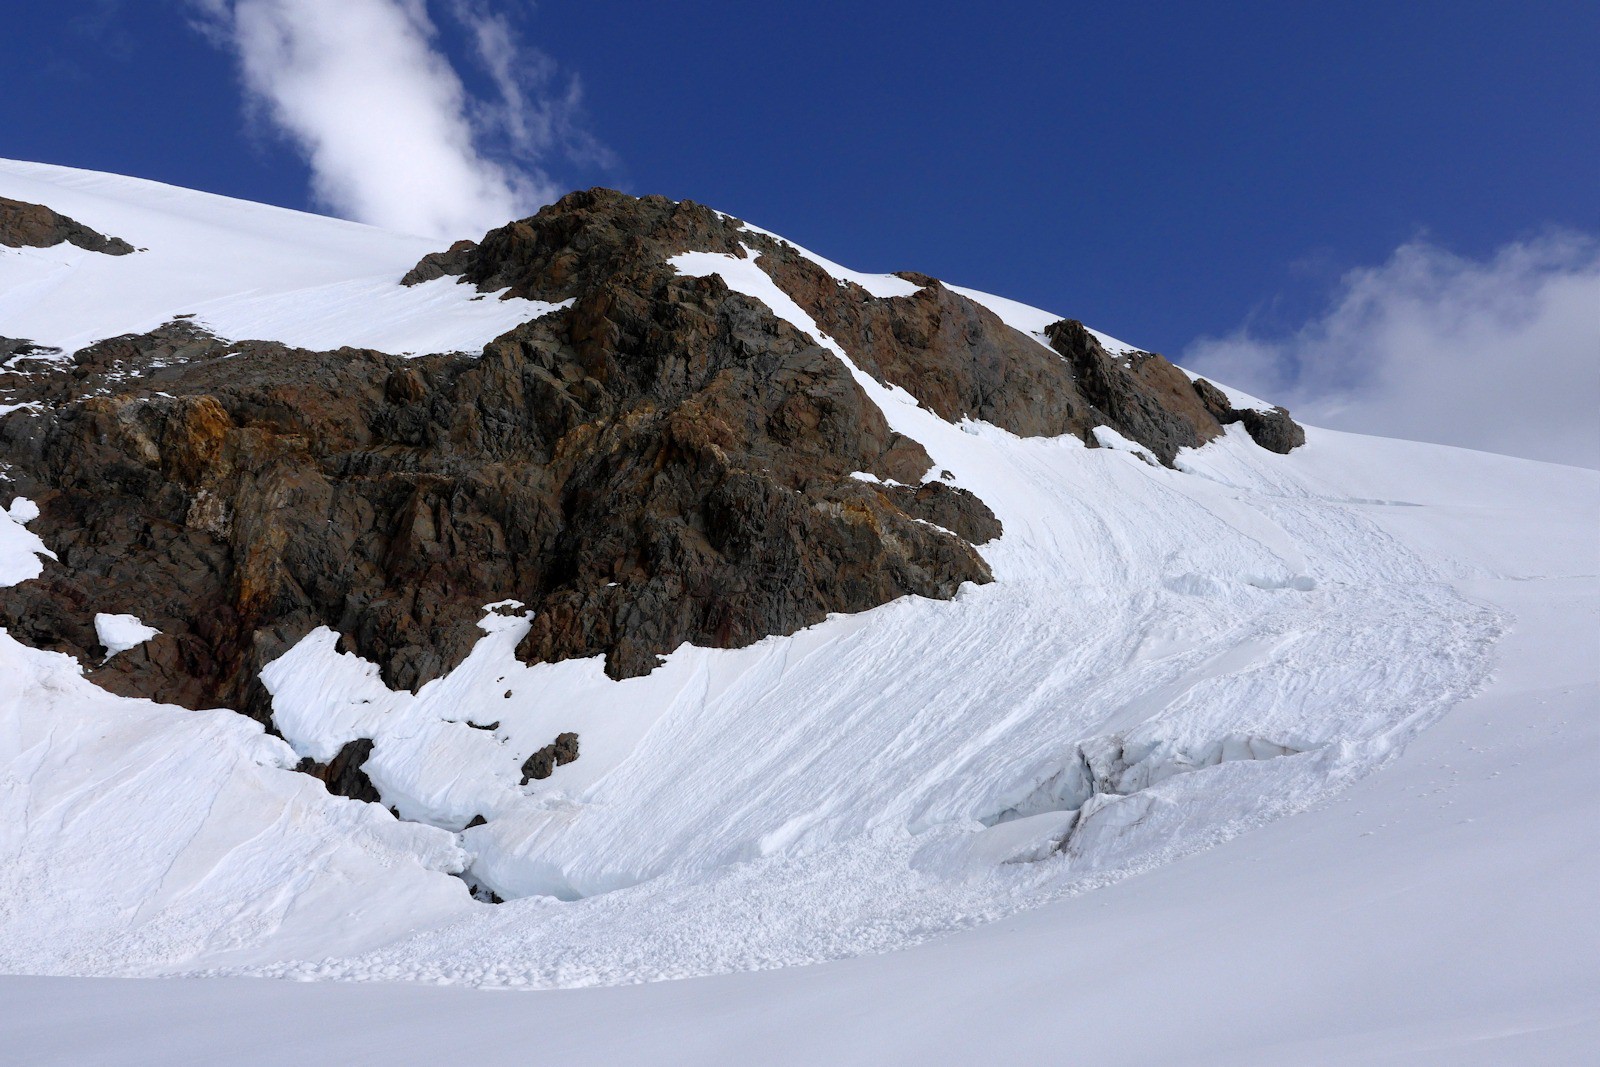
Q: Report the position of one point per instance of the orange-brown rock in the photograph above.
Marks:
(664, 461)
(25, 225)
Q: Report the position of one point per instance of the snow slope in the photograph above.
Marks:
(247, 271)
(135, 831)
(1166, 660)
(824, 795)
(1439, 912)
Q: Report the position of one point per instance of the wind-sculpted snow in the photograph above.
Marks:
(118, 633)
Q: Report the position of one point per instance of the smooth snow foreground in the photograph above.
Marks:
(1166, 660)
(1439, 912)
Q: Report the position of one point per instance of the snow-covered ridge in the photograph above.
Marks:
(1023, 318)
(245, 271)
(1032, 321)
(249, 271)
(879, 285)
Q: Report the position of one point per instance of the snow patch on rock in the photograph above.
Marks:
(118, 633)
(20, 548)
(1106, 437)
(23, 510)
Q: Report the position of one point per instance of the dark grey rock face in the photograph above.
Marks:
(21, 347)
(1141, 395)
(558, 753)
(955, 356)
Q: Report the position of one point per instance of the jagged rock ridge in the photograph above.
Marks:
(954, 355)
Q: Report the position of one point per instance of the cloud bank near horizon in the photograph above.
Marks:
(1500, 354)
(392, 135)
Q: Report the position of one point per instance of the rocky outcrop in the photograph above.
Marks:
(25, 225)
(453, 261)
(558, 753)
(955, 356)
(1139, 394)
(663, 461)
(1272, 429)
(587, 240)
(343, 775)
(15, 347)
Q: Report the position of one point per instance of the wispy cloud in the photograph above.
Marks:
(392, 135)
(536, 111)
(1501, 354)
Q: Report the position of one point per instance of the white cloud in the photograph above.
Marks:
(533, 113)
(392, 135)
(1501, 354)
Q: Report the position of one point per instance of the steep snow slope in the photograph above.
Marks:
(1143, 624)
(1165, 660)
(819, 796)
(247, 271)
(135, 831)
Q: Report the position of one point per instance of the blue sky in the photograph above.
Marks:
(1176, 174)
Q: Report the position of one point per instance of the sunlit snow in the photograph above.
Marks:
(245, 271)
(118, 633)
(1217, 657)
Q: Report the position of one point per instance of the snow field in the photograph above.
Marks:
(1438, 912)
(1165, 660)
(245, 271)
